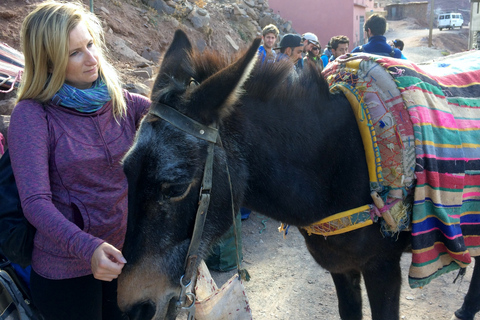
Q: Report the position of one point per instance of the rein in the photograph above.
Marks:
(209, 134)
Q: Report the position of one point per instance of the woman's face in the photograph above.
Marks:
(82, 67)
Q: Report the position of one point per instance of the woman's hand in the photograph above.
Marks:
(107, 262)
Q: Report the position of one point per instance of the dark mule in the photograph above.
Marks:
(294, 153)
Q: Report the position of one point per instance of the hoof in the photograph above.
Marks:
(455, 318)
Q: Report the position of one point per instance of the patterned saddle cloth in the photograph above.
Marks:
(425, 130)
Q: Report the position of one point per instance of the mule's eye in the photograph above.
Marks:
(175, 192)
(193, 82)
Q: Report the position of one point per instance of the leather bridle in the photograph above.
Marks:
(209, 134)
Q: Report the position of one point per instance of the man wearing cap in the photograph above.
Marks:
(291, 47)
(309, 41)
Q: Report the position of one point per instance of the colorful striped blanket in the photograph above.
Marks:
(426, 120)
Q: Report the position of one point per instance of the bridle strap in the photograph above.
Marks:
(192, 253)
(185, 123)
(210, 135)
(203, 203)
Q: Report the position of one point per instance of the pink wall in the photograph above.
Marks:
(325, 18)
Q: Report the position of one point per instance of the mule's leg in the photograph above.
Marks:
(383, 280)
(349, 296)
(471, 303)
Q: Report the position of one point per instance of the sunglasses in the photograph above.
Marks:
(315, 48)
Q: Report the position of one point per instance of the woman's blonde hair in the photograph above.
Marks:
(45, 44)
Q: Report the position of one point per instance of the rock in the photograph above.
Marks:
(238, 11)
(151, 55)
(160, 6)
(105, 10)
(6, 106)
(198, 20)
(174, 22)
(287, 27)
(139, 88)
(252, 14)
(8, 14)
(230, 40)
(141, 73)
(249, 3)
(266, 20)
(120, 47)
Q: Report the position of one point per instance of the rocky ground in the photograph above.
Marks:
(285, 281)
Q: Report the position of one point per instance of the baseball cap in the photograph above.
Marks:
(310, 37)
(290, 40)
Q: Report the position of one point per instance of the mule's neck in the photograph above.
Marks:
(304, 163)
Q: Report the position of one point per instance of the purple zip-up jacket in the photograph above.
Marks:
(70, 180)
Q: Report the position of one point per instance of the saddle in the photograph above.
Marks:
(424, 127)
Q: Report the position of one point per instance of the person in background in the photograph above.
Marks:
(397, 43)
(375, 28)
(309, 41)
(68, 133)
(339, 46)
(269, 35)
(291, 48)
(327, 53)
(314, 57)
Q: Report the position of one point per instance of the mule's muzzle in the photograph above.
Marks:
(141, 311)
(147, 310)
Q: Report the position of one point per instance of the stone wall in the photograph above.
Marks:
(416, 10)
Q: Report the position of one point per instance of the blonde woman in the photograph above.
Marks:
(71, 126)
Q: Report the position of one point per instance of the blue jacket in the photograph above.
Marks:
(262, 53)
(324, 59)
(378, 45)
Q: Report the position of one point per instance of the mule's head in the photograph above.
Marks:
(164, 169)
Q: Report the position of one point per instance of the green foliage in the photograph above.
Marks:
(243, 36)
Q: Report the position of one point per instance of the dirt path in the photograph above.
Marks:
(287, 284)
(416, 40)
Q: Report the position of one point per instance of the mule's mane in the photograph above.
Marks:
(277, 84)
(268, 81)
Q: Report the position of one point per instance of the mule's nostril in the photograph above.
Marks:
(142, 311)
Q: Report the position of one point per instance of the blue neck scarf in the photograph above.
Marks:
(86, 101)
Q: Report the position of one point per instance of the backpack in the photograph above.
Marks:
(223, 256)
(385, 54)
(15, 299)
(16, 233)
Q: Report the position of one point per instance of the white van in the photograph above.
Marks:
(449, 20)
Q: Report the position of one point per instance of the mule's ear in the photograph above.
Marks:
(214, 98)
(174, 61)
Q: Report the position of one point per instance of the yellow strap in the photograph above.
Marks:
(311, 228)
(353, 64)
(340, 231)
(343, 214)
(367, 131)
